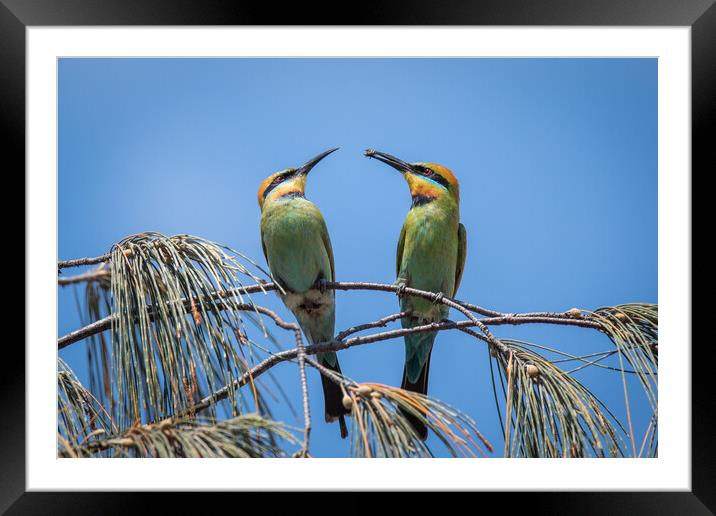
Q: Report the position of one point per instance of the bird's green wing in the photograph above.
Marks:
(327, 244)
(399, 254)
(273, 277)
(461, 255)
(263, 248)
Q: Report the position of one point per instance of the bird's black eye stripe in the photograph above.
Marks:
(430, 173)
(277, 181)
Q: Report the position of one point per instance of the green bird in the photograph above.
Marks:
(298, 251)
(431, 256)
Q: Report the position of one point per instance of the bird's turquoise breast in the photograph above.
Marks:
(292, 238)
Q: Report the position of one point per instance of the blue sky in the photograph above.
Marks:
(557, 161)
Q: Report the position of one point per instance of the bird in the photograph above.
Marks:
(297, 248)
(431, 253)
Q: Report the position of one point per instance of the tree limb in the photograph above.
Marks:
(494, 317)
(63, 264)
(95, 275)
(336, 345)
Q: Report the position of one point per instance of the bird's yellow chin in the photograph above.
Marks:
(423, 187)
(296, 184)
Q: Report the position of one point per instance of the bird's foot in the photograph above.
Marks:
(321, 284)
(437, 298)
(400, 288)
(302, 454)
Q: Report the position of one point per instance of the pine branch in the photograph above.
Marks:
(495, 318)
(179, 291)
(338, 345)
(94, 275)
(79, 262)
(246, 436)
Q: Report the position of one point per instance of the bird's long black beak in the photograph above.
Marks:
(305, 169)
(398, 164)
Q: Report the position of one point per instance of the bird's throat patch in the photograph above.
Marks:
(421, 199)
(291, 195)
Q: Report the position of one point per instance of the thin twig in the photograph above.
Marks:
(508, 406)
(304, 392)
(406, 291)
(512, 319)
(63, 264)
(628, 408)
(95, 275)
(86, 331)
(331, 375)
(380, 323)
(333, 345)
(301, 353)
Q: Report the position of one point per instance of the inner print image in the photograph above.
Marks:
(357, 258)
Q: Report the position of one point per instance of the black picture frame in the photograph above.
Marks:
(700, 15)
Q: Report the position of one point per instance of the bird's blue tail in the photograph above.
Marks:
(417, 368)
(417, 351)
(321, 330)
(332, 393)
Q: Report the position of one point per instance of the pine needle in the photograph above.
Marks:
(381, 429)
(171, 327)
(246, 436)
(79, 414)
(551, 414)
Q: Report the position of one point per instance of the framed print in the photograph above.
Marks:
(259, 235)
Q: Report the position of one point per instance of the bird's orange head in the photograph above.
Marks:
(427, 181)
(288, 182)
